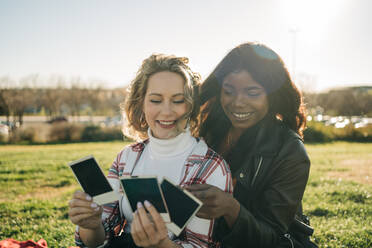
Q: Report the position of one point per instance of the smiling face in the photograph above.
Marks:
(164, 104)
(243, 100)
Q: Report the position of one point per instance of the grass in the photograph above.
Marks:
(36, 185)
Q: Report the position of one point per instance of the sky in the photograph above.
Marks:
(324, 43)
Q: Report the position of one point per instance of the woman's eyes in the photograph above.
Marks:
(179, 101)
(174, 101)
(227, 91)
(253, 93)
(248, 93)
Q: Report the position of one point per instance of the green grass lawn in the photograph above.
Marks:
(36, 185)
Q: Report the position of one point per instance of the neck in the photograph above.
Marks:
(172, 146)
(235, 133)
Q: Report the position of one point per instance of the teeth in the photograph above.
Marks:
(166, 122)
(241, 115)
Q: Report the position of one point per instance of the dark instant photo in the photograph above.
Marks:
(181, 204)
(141, 189)
(90, 177)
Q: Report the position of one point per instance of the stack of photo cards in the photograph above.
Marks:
(168, 199)
(93, 181)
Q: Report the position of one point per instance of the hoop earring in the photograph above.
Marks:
(142, 118)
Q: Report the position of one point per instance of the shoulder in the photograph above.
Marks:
(276, 139)
(134, 147)
(208, 158)
(202, 150)
(210, 167)
(293, 145)
(138, 146)
(130, 150)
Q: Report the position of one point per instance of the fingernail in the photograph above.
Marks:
(89, 198)
(93, 205)
(147, 203)
(139, 205)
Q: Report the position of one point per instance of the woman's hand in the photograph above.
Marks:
(148, 229)
(216, 203)
(84, 212)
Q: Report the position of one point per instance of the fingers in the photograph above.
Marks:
(76, 203)
(204, 215)
(82, 207)
(146, 223)
(81, 195)
(148, 229)
(198, 187)
(205, 195)
(138, 235)
(84, 210)
(81, 199)
(203, 191)
(78, 218)
(157, 219)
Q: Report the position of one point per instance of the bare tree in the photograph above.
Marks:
(24, 97)
(76, 96)
(5, 83)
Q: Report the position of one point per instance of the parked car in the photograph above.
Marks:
(57, 119)
(4, 130)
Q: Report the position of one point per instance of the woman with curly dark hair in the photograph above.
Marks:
(253, 115)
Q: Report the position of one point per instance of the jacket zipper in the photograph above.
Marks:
(258, 169)
(288, 236)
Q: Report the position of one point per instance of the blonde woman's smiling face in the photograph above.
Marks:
(164, 105)
(243, 100)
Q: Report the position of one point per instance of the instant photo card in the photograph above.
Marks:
(139, 189)
(93, 181)
(182, 205)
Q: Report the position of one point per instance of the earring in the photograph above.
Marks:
(142, 118)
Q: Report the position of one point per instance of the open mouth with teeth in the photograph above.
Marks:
(166, 124)
(242, 116)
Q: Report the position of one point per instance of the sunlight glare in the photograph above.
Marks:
(312, 15)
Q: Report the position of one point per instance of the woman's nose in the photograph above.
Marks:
(167, 108)
(239, 100)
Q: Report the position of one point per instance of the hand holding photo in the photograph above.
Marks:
(141, 189)
(93, 181)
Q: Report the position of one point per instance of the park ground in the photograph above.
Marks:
(36, 185)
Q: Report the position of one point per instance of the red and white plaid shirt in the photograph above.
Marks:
(202, 166)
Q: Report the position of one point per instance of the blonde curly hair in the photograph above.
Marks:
(134, 123)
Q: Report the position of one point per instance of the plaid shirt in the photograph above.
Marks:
(202, 166)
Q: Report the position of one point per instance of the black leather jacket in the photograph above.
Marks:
(269, 186)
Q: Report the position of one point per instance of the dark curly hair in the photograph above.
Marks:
(266, 68)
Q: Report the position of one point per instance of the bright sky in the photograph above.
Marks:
(326, 42)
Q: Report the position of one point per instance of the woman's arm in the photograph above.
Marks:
(273, 209)
(92, 237)
(87, 216)
(109, 214)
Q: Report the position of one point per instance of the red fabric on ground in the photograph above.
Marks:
(12, 243)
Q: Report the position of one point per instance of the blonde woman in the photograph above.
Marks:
(161, 112)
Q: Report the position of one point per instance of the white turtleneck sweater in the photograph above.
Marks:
(162, 158)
